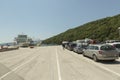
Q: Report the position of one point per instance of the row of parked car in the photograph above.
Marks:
(106, 51)
(8, 47)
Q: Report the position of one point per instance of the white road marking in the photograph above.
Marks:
(17, 68)
(58, 65)
(104, 68)
(98, 65)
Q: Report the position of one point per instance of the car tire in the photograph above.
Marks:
(74, 51)
(112, 60)
(95, 58)
(84, 55)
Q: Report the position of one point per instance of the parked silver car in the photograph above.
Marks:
(116, 45)
(101, 52)
(79, 48)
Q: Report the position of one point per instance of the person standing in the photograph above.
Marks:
(63, 45)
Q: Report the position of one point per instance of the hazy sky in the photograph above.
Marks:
(45, 18)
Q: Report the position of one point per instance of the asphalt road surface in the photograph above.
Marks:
(54, 63)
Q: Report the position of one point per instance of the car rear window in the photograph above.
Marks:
(117, 45)
(107, 47)
(96, 48)
(73, 45)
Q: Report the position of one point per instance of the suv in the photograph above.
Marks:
(101, 52)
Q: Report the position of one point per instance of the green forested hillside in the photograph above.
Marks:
(102, 29)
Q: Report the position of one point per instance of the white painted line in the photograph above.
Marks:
(98, 65)
(16, 68)
(58, 65)
(104, 68)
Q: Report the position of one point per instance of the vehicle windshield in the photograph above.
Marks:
(107, 47)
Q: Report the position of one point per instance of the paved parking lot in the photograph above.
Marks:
(54, 63)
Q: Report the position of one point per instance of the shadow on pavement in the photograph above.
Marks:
(110, 62)
(107, 61)
(12, 76)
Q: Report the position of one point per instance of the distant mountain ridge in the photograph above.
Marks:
(102, 29)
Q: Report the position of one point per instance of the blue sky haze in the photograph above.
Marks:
(45, 18)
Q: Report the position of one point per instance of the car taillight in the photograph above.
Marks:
(114, 45)
(100, 52)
